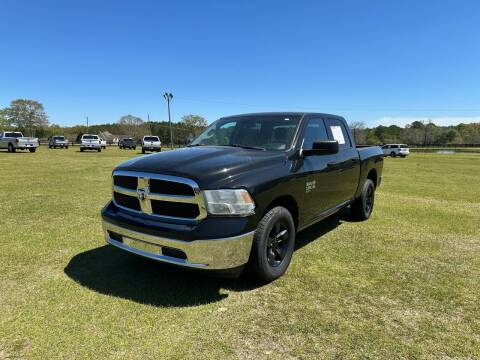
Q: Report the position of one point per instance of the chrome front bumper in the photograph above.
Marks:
(211, 254)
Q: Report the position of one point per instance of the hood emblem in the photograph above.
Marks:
(142, 193)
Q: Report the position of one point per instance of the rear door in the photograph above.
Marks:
(319, 172)
(347, 163)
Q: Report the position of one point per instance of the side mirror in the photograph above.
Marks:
(327, 147)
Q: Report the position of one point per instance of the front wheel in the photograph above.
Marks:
(32, 149)
(11, 148)
(99, 150)
(392, 154)
(362, 206)
(273, 244)
(143, 151)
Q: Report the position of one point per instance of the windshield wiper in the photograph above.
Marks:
(246, 146)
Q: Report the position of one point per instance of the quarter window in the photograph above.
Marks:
(336, 131)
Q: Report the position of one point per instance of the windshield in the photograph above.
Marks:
(269, 132)
(14, 134)
(150, 138)
(90, 137)
(61, 138)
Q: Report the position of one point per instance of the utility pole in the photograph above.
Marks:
(87, 124)
(168, 97)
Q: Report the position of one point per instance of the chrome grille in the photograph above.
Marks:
(163, 196)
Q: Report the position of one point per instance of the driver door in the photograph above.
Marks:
(319, 173)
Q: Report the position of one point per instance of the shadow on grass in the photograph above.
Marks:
(112, 271)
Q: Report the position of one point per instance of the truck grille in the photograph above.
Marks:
(158, 195)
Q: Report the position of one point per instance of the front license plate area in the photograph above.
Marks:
(142, 245)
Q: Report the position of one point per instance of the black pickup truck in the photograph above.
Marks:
(127, 143)
(239, 193)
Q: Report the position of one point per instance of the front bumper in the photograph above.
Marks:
(214, 254)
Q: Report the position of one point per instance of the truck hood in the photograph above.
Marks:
(209, 166)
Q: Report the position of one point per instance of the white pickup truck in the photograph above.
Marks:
(90, 142)
(151, 143)
(14, 140)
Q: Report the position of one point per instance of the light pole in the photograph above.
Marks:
(168, 97)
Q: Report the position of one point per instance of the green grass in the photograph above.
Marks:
(404, 284)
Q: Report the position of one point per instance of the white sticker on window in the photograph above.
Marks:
(337, 134)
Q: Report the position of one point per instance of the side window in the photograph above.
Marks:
(315, 130)
(336, 131)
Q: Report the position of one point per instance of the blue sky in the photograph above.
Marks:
(373, 61)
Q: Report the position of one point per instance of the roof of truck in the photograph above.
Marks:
(286, 113)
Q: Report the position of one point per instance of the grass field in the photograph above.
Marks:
(405, 284)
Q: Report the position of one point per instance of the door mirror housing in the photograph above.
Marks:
(327, 147)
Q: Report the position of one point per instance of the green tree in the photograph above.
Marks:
(194, 121)
(132, 125)
(26, 114)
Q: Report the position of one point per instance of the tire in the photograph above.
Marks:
(362, 207)
(66, 147)
(99, 150)
(392, 154)
(271, 252)
(49, 146)
(32, 150)
(143, 151)
(160, 150)
(135, 148)
(81, 150)
(54, 147)
(11, 148)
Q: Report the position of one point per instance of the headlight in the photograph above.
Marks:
(229, 202)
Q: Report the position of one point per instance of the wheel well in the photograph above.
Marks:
(287, 202)
(372, 175)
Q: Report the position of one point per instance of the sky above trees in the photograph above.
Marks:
(369, 61)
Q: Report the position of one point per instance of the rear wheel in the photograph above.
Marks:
(32, 150)
(81, 150)
(11, 148)
(143, 151)
(99, 150)
(392, 154)
(273, 244)
(362, 207)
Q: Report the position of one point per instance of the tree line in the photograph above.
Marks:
(420, 133)
(29, 116)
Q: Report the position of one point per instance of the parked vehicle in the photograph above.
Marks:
(14, 140)
(90, 142)
(127, 143)
(240, 192)
(103, 143)
(396, 150)
(151, 143)
(57, 141)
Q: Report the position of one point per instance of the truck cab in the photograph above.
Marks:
(151, 143)
(57, 141)
(239, 193)
(90, 142)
